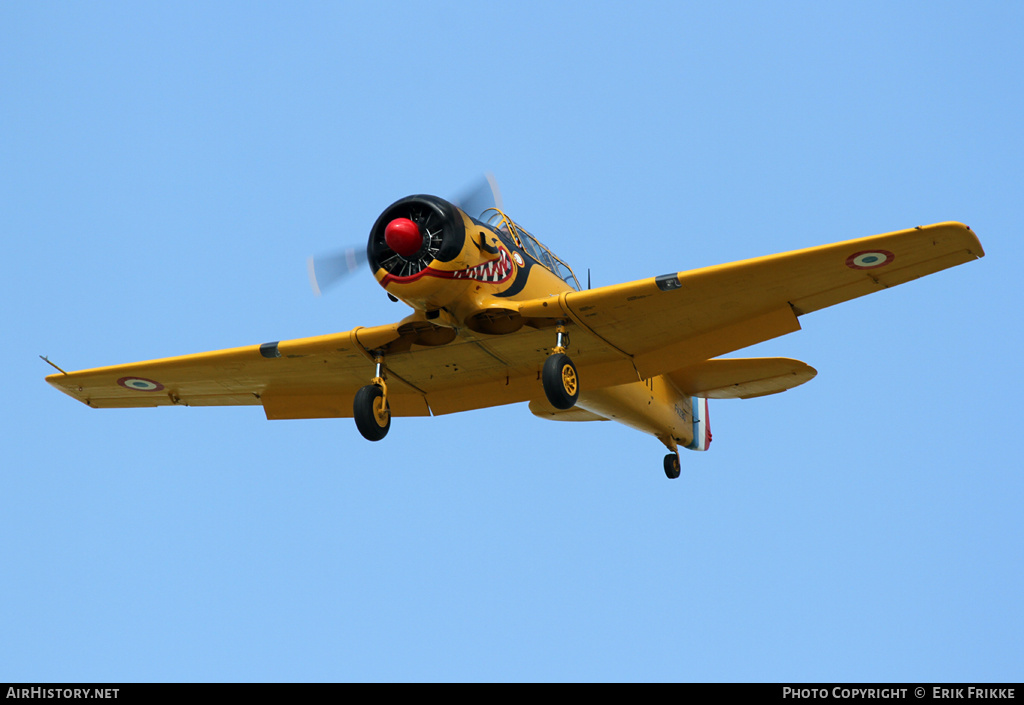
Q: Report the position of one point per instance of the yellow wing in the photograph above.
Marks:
(670, 322)
(333, 367)
(622, 333)
(430, 369)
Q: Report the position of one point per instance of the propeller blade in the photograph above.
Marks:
(327, 270)
(479, 196)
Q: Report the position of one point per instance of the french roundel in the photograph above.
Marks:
(140, 384)
(869, 259)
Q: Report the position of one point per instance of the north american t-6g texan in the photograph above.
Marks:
(497, 318)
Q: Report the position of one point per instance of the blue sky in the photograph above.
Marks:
(166, 170)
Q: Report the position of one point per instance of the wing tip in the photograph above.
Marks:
(964, 233)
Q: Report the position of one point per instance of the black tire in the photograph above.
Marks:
(561, 382)
(672, 466)
(368, 413)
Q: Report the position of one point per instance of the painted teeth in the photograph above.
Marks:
(494, 271)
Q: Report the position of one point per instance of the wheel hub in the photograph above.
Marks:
(381, 413)
(569, 379)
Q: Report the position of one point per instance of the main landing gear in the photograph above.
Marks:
(370, 408)
(672, 465)
(559, 377)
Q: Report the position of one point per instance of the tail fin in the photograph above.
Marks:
(701, 425)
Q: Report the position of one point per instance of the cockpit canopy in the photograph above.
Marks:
(497, 220)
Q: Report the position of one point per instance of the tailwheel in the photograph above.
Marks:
(561, 383)
(672, 466)
(372, 413)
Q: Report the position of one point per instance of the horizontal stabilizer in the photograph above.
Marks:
(741, 378)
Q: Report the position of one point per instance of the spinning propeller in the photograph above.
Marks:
(412, 239)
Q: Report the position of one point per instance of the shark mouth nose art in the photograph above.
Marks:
(493, 272)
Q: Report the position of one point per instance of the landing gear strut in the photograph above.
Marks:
(370, 407)
(559, 376)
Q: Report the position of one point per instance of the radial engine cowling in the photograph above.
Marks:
(412, 245)
(441, 230)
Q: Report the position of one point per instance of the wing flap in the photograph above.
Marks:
(727, 337)
(328, 406)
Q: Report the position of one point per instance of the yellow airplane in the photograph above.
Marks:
(498, 319)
